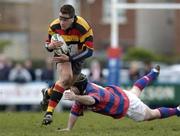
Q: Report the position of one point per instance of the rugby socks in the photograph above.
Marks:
(50, 90)
(55, 98)
(168, 112)
(147, 79)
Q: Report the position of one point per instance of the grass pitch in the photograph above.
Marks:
(91, 124)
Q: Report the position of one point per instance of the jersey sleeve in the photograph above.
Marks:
(86, 33)
(96, 96)
(51, 31)
(77, 109)
(86, 40)
(85, 53)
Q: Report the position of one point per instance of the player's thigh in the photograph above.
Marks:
(137, 108)
(77, 67)
(135, 90)
(64, 71)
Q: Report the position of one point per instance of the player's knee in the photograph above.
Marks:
(66, 81)
(152, 114)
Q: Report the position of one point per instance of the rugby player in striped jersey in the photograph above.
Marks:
(115, 102)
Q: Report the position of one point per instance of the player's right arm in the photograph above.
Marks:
(76, 111)
(50, 44)
(71, 122)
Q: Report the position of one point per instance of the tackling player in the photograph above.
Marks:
(115, 102)
(78, 36)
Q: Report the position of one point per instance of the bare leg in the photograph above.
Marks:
(161, 113)
(65, 74)
(152, 114)
(135, 90)
(65, 80)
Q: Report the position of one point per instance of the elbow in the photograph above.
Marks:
(90, 53)
(91, 101)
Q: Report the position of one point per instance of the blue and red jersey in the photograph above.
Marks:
(111, 101)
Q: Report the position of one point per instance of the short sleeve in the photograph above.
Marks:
(77, 109)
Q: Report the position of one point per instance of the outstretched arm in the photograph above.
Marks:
(71, 122)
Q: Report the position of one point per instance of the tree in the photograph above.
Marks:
(3, 44)
(139, 54)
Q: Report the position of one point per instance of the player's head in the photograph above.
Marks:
(66, 16)
(81, 84)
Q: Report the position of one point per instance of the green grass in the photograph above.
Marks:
(92, 124)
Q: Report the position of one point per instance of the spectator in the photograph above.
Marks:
(4, 69)
(29, 67)
(9, 65)
(147, 67)
(134, 72)
(19, 74)
(47, 74)
(96, 74)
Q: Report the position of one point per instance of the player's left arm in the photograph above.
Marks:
(86, 39)
(83, 99)
(75, 58)
(86, 53)
(87, 50)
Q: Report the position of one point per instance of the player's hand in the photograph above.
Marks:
(69, 95)
(55, 44)
(61, 59)
(75, 90)
(63, 130)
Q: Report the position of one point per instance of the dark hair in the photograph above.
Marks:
(81, 83)
(68, 9)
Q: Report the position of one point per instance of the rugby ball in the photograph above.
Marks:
(62, 49)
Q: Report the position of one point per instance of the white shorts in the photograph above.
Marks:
(137, 109)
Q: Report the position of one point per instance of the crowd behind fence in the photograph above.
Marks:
(21, 83)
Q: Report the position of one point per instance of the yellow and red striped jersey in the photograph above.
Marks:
(79, 37)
